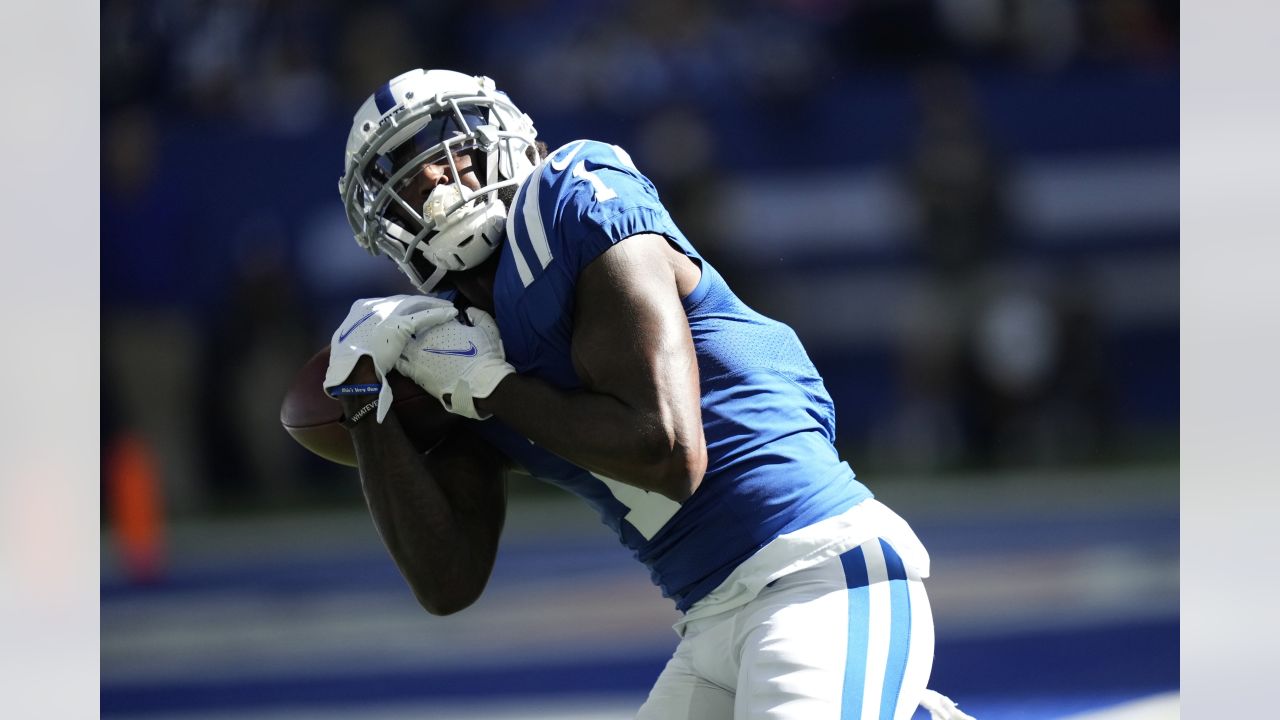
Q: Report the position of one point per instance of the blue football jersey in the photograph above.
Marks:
(768, 421)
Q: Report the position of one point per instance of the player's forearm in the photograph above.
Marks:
(445, 552)
(651, 449)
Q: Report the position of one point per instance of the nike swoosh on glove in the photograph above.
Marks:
(379, 328)
(458, 361)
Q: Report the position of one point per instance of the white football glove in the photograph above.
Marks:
(458, 362)
(379, 328)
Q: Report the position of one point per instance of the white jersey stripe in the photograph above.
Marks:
(877, 629)
(522, 265)
(532, 210)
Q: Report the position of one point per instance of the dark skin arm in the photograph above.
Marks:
(440, 515)
(638, 419)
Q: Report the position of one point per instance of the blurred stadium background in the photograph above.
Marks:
(967, 209)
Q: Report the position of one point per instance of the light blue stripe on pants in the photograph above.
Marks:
(879, 598)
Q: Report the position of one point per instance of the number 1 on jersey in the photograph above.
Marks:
(649, 510)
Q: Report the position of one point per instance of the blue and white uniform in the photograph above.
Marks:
(779, 529)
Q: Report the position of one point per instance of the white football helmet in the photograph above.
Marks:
(433, 115)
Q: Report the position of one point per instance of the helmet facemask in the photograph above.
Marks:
(457, 227)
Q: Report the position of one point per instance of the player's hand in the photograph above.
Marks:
(458, 361)
(379, 328)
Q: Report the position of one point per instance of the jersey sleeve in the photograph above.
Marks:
(605, 200)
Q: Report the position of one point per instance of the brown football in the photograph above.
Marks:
(311, 417)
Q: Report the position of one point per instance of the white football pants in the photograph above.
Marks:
(849, 639)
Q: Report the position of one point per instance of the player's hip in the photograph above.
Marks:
(850, 635)
(810, 547)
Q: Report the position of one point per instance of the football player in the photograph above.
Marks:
(598, 351)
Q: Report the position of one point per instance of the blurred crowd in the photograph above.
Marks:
(286, 63)
(201, 336)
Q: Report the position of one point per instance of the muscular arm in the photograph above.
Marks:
(638, 419)
(440, 515)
